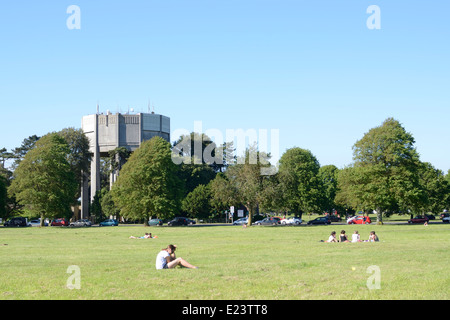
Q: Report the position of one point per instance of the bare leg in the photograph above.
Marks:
(180, 261)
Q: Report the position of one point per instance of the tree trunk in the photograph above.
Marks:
(250, 215)
(379, 216)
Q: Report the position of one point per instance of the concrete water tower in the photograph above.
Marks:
(106, 132)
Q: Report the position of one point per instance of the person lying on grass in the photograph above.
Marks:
(167, 259)
(146, 236)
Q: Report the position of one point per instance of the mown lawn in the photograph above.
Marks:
(283, 263)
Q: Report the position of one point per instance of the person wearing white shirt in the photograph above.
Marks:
(166, 259)
(356, 237)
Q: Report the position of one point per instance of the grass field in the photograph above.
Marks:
(268, 263)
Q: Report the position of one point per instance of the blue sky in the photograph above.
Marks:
(311, 69)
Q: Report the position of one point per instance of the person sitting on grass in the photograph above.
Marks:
(373, 237)
(166, 259)
(343, 237)
(356, 237)
(331, 238)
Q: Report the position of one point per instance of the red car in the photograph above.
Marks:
(61, 222)
(359, 220)
(418, 219)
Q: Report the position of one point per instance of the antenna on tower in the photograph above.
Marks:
(148, 106)
(153, 112)
(98, 108)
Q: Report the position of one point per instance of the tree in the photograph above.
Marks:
(148, 185)
(79, 156)
(246, 179)
(44, 181)
(3, 195)
(385, 172)
(197, 203)
(223, 193)
(300, 185)
(436, 188)
(328, 177)
(19, 153)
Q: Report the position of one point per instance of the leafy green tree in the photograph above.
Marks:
(3, 195)
(79, 157)
(328, 176)
(436, 188)
(19, 153)
(197, 203)
(385, 172)
(148, 185)
(246, 179)
(44, 181)
(223, 193)
(108, 207)
(300, 184)
(194, 175)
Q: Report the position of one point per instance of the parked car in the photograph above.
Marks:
(446, 219)
(320, 220)
(334, 218)
(60, 222)
(190, 221)
(109, 223)
(81, 223)
(155, 222)
(443, 215)
(268, 221)
(291, 220)
(418, 219)
(16, 222)
(240, 221)
(37, 223)
(178, 221)
(359, 220)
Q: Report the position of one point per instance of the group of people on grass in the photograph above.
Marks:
(356, 237)
(166, 258)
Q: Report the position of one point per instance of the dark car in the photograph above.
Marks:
(60, 222)
(320, 220)
(334, 218)
(268, 221)
(178, 221)
(418, 219)
(16, 222)
(190, 221)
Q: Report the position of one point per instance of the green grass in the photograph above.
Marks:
(283, 263)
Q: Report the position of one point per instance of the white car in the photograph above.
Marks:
(241, 221)
(446, 220)
(349, 220)
(291, 220)
(37, 223)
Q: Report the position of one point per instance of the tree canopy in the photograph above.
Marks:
(385, 172)
(148, 184)
(44, 181)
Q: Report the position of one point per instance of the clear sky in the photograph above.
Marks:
(311, 69)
